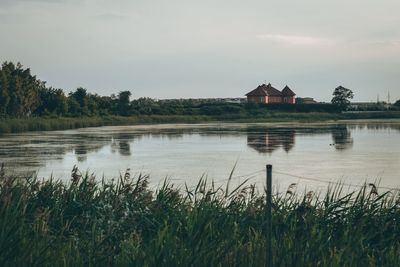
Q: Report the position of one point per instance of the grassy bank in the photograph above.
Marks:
(123, 223)
(16, 125)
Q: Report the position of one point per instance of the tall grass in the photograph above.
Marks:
(123, 223)
(15, 125)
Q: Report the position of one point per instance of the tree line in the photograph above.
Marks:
(23, 95)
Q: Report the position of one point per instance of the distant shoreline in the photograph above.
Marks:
(17, 125)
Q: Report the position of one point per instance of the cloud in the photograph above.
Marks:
(299, 40)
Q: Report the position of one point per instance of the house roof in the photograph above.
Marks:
(259, 91)
(265, 90)
(287, 91)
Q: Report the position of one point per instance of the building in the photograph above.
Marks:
(306, 100)
(267, 94)
(369, 106)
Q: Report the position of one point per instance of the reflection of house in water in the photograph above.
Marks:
(271, 139)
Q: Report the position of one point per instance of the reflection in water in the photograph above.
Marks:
(124, 148)
(33, 150)
(121, 144)
(342, 138)
(268, 140)
(374, 126)
(80, 151)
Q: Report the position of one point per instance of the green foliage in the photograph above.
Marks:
(298, 107)
(19, 90)
(124, 103)
(341, 97)
(299, 100)
(124, 223)
(146, 106)
(52, 101)
(49, 123)
(79, 102)
(80, 96)
(397, 103)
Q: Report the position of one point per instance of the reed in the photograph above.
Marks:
(16, 125)
(122, 222)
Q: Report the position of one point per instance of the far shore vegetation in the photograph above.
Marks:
(52, 123)
(27, 104)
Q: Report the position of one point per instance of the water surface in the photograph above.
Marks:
(308, 154)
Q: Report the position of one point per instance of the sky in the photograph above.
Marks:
(208, 48)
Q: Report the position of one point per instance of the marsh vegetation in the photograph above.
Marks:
(87, 222)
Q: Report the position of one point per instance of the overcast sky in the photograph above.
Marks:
(207, 48)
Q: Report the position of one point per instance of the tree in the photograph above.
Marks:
(106, 105)
(80, 97)
(123, 102)
(19, 90)
(4, 93)
(92, 100)
(146, 105)
(397, 103)
(341, 97)
(52, 101)
(73, 106)
(299, 100)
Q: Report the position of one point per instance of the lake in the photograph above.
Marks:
(310, 155)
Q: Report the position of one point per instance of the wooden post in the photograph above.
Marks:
(269, 217)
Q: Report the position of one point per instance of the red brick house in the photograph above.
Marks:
(266, 94)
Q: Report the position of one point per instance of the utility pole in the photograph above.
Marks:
(268, 211)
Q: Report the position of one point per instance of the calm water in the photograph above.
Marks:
(308, 154)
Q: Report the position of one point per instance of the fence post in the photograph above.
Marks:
(269, 217)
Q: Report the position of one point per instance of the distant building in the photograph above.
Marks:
(236, 100)
(306, 100)
(368, 106)
(267, 94)
(208, 100)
